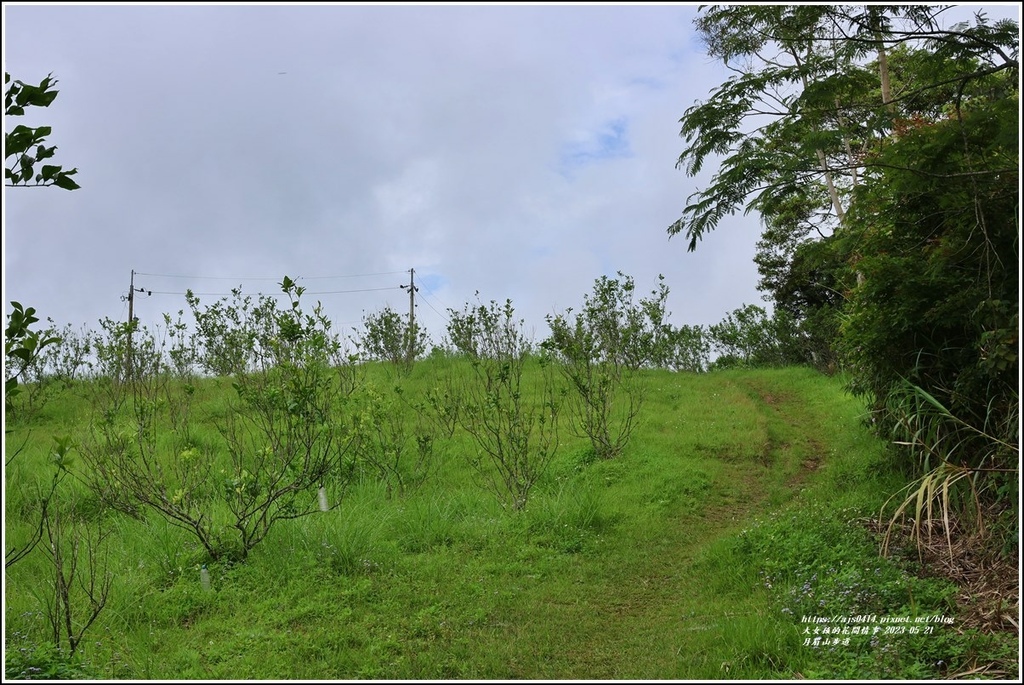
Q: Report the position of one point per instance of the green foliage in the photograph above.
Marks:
(397, 444)
(805, 105)
(513, 423)
(28, 660)
(227, 331)
(22, 347)
(686, 348)
(19, 142)
(747, 337)
(599, 351)
(388, 336)
(57, 366)
(938, 301)
(807, 280)
(283, 434)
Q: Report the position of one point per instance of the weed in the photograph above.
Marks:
(27, 660)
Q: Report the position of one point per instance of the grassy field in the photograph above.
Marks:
(736, 513)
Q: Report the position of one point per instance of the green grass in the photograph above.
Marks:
(734, 511)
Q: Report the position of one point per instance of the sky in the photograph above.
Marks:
(515, 151)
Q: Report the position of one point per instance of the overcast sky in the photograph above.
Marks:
(518, 151)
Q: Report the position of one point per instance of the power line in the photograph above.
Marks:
(360, 290)
(168, 292)
(435, 310)
(437, 299)
(379, 273)
(276, 278)
(322, 292)
(213, 278)
(238, 291)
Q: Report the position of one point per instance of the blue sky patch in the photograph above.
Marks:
(611, 141)
(431, 283)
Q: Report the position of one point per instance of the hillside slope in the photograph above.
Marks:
(738, 513)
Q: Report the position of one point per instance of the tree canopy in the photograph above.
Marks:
(816, 89)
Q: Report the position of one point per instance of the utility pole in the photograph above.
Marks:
(131, 320)
(131, 299)
(412, 298)
(409, 354)
(131, 316)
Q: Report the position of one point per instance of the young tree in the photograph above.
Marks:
(284, 432)
(600, 351)
(81, 580)
(395, 439)
(511, 415)
(22, 347)
(390, 337)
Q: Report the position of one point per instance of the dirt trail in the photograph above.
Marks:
(624, 615)
(790, 410)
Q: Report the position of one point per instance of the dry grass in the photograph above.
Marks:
(988, 596)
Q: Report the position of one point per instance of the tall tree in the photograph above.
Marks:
(812, 93)
(882, 152)
(816, 89)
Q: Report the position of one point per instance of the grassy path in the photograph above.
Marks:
(658, 610)
(650, 609)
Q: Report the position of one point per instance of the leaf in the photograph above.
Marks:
(63, 181)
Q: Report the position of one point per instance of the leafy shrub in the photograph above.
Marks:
(283, 432)
(599, 350)
(748, 337)
(513, 423)
(27, 660)
(389, 337)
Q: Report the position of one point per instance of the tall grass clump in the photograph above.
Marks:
(966, 469)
